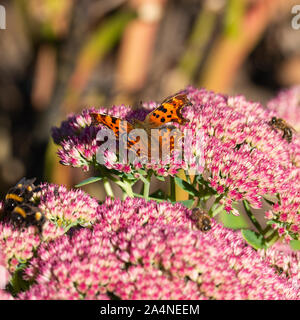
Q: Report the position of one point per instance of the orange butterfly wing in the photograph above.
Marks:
(168, 111)
(117, 125)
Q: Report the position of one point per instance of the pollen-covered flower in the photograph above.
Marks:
(66, 208)
(17, 245)
(287, 105)
(145, 250)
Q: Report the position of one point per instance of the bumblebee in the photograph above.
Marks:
(22, 192)
(19, 206)
(278, 123)
(26, 215)
(202, 219)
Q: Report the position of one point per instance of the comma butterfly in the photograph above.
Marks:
(168, 111)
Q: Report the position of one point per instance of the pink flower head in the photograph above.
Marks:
(145, 250)
(17, 245)
(67, 208)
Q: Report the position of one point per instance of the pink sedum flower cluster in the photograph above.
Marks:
(17, 245)
(246, 159)
(145, 250)
(77, 138)
(66, 208)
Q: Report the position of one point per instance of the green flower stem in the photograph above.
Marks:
(127, 188)
(172, 189)
(272, 239)
(124, 184)
(146, 188)
(108, 188)
(267, 231)
(213, 212)
(251, 216)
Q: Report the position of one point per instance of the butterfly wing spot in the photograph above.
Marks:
(169, 110)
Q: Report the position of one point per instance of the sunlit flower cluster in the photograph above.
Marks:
(66, 208)
(244, 158)
(143, 250)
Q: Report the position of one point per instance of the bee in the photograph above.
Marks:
(278, 123)
(25, 215)
(19, 206)
(22, 192)
(202, 219)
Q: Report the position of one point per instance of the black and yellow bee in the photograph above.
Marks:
(22, 192)
(20, 207)
(278, 123)
(202, 219)
(26, 215)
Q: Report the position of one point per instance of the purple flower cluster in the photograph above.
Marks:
(145, 250)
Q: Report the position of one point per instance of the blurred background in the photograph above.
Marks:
(60, 56)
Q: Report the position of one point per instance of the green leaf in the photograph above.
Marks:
(187, 203)
(142, 172)
(129, 176)
(161, 178)
(271, 222)
(295, 244)
(88, 181)
(233, 222)
(186, 187)
(255, 239)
